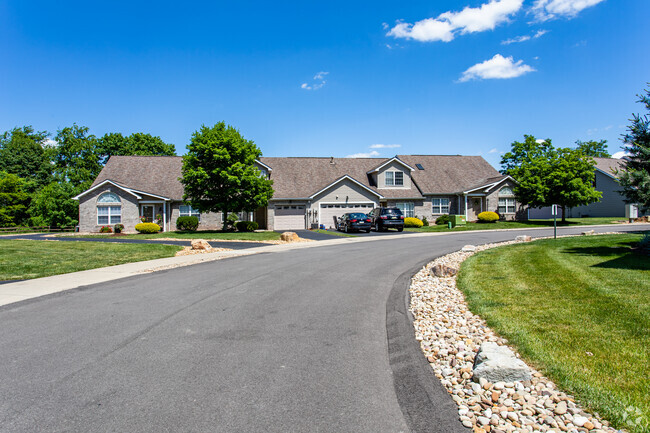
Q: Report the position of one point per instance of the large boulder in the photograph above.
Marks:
(201, 244)
(440, 270)
(496, 363)
(289, 237)
(523, 238)
(469, 249)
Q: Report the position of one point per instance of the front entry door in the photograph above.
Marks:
(147, 212)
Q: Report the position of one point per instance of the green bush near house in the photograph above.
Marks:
(118, 228)
(246, 226)
(187, 223)
(442, 220)
(488, 217)
(425, 222)
(412, 222)
(106, 229)
(147, 228)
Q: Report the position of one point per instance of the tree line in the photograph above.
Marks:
(40, 175)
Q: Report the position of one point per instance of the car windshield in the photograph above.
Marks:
(392, 211)
(358, 216)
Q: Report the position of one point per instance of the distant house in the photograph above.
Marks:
(610, 205)
(308, 192)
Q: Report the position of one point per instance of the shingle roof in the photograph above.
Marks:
(153, 174)
(298, 177)
(608, 165)
(446, 174)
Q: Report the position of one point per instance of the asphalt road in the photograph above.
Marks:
(306, 340)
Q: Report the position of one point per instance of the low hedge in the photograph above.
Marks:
(413, 222)
(488, 217)
(442, 220)
(106, 229)
(246, 226)
(187, 223)
(147, 228)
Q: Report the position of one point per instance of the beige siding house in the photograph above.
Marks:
(308, 192)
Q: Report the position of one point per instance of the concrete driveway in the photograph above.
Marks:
(311, 339)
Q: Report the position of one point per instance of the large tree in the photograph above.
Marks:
(635, 177)
(13, 200)
(219, 172)
(546, 175)
(77, 160)
(138, 143)
(53, 205)
(595, 149)
(23, 152)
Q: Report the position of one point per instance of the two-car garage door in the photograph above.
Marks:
(329, 211)
(289, 218)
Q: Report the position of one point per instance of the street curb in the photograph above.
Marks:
(425, 403)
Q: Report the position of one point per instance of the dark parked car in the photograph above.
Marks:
(384, 218)
(354, 221)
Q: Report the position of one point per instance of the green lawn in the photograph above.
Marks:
(21, 260)
(579, 310)
(205, 234)
(571, 222)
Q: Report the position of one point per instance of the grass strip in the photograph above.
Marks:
(571, 222)
(26, 259)
(578, 309)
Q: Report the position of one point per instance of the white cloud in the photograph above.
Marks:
(540, 141)
(319, 81)
(48, 142)
(385, 146)
(498, 67)
(370, 154)
(545, 10)
(493, 150)
(447, 25)
(619, 155)
(524, 38)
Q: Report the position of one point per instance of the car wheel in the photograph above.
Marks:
(368, 231)
(400, 229)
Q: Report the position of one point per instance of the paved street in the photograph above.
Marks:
(312, 339)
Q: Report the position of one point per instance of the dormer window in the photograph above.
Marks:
(394, 178)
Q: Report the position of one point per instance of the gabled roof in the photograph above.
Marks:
(346, 177)
(385, 163)
(449, 174)
(607, 166)
(488, 184)
(107, 182)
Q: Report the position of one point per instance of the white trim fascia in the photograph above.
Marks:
(375, 170)
(353, 181)
(152, 195)
(130, 191)
(502, 180)
(264, 165)
(612, 175)
(489, 186)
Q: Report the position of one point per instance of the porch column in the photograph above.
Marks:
(165, 216)
(465, 195)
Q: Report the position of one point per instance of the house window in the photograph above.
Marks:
(264, 173)
(107, 214)
(507, 203)
(407, 208)
(187, 210)
(394, 178)
(440, 206)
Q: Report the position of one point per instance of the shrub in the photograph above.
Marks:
(425, 222)
(442, 220)
(246, 226)
(412, 222)
(118, 228)
(488, 217)
(229, 223)
(147, 228)
(106, 229)
(187, 223)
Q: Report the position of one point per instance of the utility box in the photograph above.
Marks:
(458, 220)
(631, 211)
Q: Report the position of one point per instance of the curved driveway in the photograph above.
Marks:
(293, 341)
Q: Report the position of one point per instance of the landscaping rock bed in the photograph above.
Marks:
(450, 337)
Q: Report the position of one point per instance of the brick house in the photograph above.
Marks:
(308, 192)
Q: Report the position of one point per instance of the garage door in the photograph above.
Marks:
(289, 218)
(329, 211)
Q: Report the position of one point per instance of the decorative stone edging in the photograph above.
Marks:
(450, 336)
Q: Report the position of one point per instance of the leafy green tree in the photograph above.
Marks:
(13, 200)
(53, 206)
(22, 152)
(219, 172)
(595, 149)
(546, 175)
(137, 143)
(77, 160)
(635, 178)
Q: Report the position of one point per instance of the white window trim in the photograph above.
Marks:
(507, 205)
(109, 214)
(405, 205)
(437, 210)
(191, 212)
(393, 179)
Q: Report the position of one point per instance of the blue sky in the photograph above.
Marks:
(330, 79)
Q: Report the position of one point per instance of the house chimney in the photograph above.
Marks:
(332, 160)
